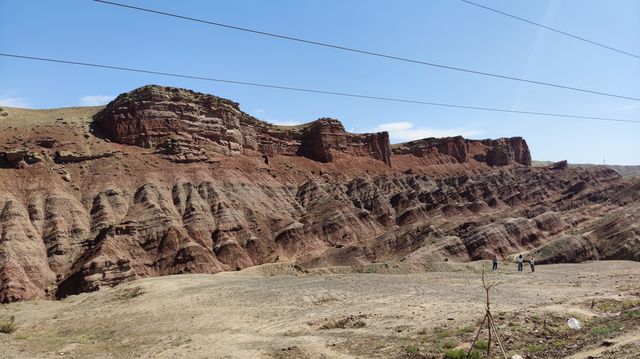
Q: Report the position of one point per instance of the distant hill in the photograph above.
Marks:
(625, 171)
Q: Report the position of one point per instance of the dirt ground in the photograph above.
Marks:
(278, 312)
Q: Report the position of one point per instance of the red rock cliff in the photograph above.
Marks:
(500, 152)
(152, 115)
(327, 136)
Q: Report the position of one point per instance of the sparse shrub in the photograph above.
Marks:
(8, 326)
(631, 314)
(605, 330)
(411, 349)
(535, 348)
(630, 304)
(129, 293)
(460, 354)
(442, 333)
(560, 343)
(448, 343)
(481, 344)
(605, 306)
(367, 269)
(464, 330)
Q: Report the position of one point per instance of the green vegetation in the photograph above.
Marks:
(608, 305)
(560, 343)
(631, 314)
(481, 344)
(448, 344)
(460, 354)
(535, 348)
(606, 330)
(411, 349)
(605, 306)
(368, 269)
(442, 333)
(464, 330)
(8, 326)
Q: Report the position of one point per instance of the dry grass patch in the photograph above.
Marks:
(8, 326)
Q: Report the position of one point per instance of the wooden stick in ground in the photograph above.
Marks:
(477, 335)
(489, 341)
(495, 331)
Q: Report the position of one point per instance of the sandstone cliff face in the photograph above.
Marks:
(325, 138)
(500, 152)
(152, 115)
(181, 187)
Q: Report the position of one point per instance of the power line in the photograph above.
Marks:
(371, 53)
(552, 29)
(300, 89)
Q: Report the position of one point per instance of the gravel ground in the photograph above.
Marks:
(363, 315)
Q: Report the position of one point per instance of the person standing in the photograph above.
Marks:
(532, 263)
(494, 260)
(520, 263)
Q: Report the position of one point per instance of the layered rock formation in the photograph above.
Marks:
(500, 152)
(179, 185)
(152, 115)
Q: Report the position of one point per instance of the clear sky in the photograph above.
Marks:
(441, 31)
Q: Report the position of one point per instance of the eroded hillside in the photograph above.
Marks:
(165, 181)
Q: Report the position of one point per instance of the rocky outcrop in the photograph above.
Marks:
(47, 142)
(18, 158)
(183, 152)
(560, 165)
(152, 115)
(326, 137)
(64, 156)
(500, 152)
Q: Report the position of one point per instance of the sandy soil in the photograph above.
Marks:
(256, 314)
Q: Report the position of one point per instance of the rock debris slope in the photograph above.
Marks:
(164, 181)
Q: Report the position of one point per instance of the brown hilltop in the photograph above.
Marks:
(165, 181)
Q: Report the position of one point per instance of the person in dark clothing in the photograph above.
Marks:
(520, 263)
(532, 263)
(494, 260)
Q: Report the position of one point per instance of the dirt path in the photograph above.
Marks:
(365, 315)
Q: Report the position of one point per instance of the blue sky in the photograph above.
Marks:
(441, 31)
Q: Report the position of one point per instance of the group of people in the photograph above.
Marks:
(519, 260)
